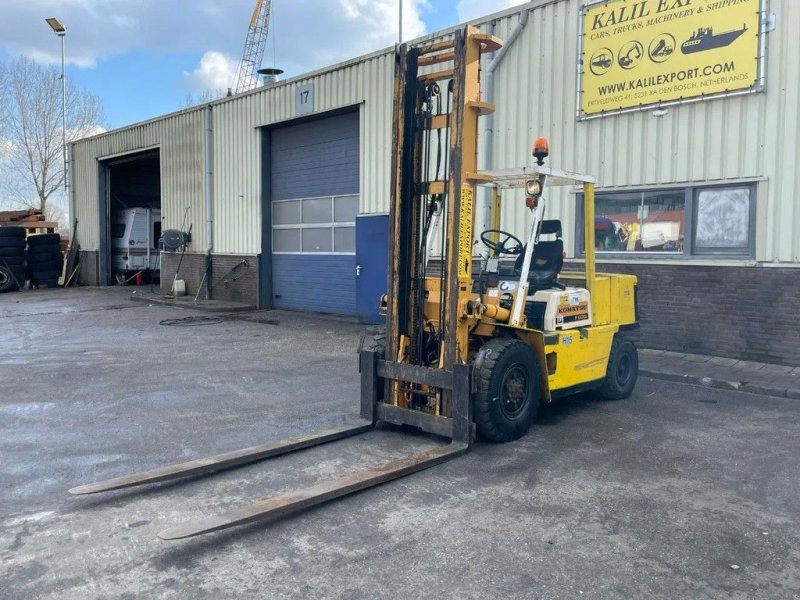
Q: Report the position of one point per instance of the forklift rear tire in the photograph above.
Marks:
(508, 390)
(376, 344)
(622, 370)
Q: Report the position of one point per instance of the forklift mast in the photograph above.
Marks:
(435, 121)
(433, 178)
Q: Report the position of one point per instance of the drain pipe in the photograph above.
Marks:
(488, 120)
(208, 158)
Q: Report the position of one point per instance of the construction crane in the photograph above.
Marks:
(247, 73)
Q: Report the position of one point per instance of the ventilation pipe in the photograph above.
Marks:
(271, 75)
(208, 193)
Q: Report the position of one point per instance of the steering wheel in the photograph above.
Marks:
(501, 246)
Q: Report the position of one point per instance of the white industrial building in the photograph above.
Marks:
(286, 188)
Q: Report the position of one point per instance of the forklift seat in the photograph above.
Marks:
(548, 258)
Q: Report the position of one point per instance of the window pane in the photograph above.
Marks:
(344, 239)
(286, 213)
(317, 210)
(317, 239)
(286, 240)
(345, 209)
(640, 221)
(723, 219)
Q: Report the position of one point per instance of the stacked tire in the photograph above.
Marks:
(12, 258)
(45, 259)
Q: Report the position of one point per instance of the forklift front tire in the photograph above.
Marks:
(622, 370)
(508, 390)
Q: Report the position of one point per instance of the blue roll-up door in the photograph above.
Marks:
(315, 196)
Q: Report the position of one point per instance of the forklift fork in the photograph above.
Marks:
(373, 371)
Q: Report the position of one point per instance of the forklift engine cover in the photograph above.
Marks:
(554, 310)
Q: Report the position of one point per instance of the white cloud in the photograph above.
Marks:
(307, 34)
(87, 131)
(472, 9)
(6, 148)
(379, 18)
(215, 72)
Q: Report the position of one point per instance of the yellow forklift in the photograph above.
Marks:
(465, 354)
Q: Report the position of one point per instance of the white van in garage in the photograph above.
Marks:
(134, 240)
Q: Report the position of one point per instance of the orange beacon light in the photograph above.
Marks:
(541, 149)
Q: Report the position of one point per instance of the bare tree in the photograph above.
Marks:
(32, 132)
(192, 100)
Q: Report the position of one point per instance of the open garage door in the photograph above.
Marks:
(133, 192)
(314, 170)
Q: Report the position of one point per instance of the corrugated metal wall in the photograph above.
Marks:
(180, 140)
(753, 136)
(237, 153)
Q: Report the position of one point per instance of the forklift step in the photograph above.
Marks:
(280, 506)
(228, 460)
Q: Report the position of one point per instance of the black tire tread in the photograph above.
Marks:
(45, 249)
(50, 264)
(12, 232)
(44, 239)
(609, 390)
(376, 343)
(482, 406)
(7, 277)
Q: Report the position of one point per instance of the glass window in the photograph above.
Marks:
(722, 220)
(118, 231)
(307, 225)
(286, 240)
(286, 213)
(317, 239)
(686, 221)
(317, 210)
(640, 221)
(344, 239)
(345, 209)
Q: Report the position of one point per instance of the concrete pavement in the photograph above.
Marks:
(725, 373)
(678, 492)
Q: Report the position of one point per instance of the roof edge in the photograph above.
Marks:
(527, 7)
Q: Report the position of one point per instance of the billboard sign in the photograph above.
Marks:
(635, 54)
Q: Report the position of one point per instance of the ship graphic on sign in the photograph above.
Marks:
(705, 39)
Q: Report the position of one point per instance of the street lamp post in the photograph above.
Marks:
(400, 25)
(61, 32)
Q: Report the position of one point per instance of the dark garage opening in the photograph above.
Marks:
(133, 192)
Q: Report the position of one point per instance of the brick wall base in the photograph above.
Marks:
(88, 273)
(748, 313)
(231, 277)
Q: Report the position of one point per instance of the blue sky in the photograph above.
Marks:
(143, 58)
